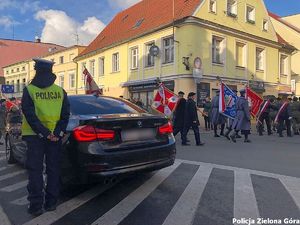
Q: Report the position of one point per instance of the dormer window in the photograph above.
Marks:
(232, 8)
(138, 23)
(250, 14)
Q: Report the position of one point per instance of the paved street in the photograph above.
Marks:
(207, 185)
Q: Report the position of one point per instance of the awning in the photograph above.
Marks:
(153, 80)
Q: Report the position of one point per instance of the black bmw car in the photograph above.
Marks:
(105, 137)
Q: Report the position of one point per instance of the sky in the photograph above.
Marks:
(69, 22)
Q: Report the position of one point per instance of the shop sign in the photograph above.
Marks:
(257, 86)
(284, 89)
(151, 86)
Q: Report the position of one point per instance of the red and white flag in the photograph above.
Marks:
(255, 101)
(90, 85)
(165, 101)
(282, 108)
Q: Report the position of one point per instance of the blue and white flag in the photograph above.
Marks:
(227, 101)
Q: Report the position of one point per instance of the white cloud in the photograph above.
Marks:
(61, 29)
(123, 4)
(6, 22)
(5, 4)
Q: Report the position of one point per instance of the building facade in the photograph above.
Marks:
(194, 45)
(21, 73)
(289, 28)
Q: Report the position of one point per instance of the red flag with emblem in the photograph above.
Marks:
(165, 101)
(255, 101)
(90, 85)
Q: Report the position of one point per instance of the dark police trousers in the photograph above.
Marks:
(37, 149)
(262, 118)
(176, 130)
(281, 124)
(196, 133)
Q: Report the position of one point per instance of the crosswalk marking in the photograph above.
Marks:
(120, 211)
(293, 187)
(184, 210)
(20, 201)
(10, 175)
(245, 205)
(14, 187)
(68, 206)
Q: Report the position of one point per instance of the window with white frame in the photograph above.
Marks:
(72, 80)
(134, 58)
(293, 85)
(240, 54)
(283, 64)
(18, 86)
(61, 81)
(250, 14)
(218, 50)
(149, 59)
(61, 60)
(168, 50)
(260, 55)
(83, 66)
(92, 68)
(213, 6)
(24, 83)
(232, 8)
(101, 66)
(115, 62)
(265, 25)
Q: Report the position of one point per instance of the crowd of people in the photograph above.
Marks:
(276, 115)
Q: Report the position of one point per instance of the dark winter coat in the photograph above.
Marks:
(44, 79)
(179, 113)
(207, 108)
(286, 113)
(2, 117)
(216, 117)
(191, 114)
(242, 119)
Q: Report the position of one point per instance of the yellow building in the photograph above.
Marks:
(64, 68)
(289, 28)
(233, 40)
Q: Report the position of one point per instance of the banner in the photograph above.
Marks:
(90, 85)
(255, 101)
(227, 101)
(164, 101)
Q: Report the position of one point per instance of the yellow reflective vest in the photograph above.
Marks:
(48, 104)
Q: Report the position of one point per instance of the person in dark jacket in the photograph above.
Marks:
(284, 117)
(207, 113)
(178, 120)
(216, 117)
(191, 120)
(295, 113)
(242, 121)
(265, 117)
(46, 112)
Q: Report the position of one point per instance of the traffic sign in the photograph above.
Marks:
(7, 89)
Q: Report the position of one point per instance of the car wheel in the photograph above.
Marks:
(9, 153)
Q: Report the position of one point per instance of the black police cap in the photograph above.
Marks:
(181, 93)
(191, 94)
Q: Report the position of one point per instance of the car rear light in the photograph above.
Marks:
(90, 133)
(166, 129)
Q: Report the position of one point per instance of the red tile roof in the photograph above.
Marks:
(13, 51)
(151, 14)
(278, 18)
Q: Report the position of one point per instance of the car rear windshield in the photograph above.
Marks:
(92, 105)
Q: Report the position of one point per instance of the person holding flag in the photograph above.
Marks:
(191, 120)
(284, 117)
(91, 86)
(264, 116)
(242, 120)
(216, 117)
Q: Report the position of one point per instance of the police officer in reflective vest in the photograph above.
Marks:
(46, 112)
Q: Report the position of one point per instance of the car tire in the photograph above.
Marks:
(8, 152)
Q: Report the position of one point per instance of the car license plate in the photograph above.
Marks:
(138, 135)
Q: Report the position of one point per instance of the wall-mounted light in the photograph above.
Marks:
(185, 61)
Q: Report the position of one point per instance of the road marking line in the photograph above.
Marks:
(292, 186)
(68, 206)
(9, 175)
(20, 201)
(3, 217)
(184, 210)
(256, 172)
(245, 205)
(14, 187)
(6, 167)
(128, 204)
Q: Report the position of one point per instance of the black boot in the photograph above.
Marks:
(215, 131)
(227, 134)
(232, 137)
(246, 139)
